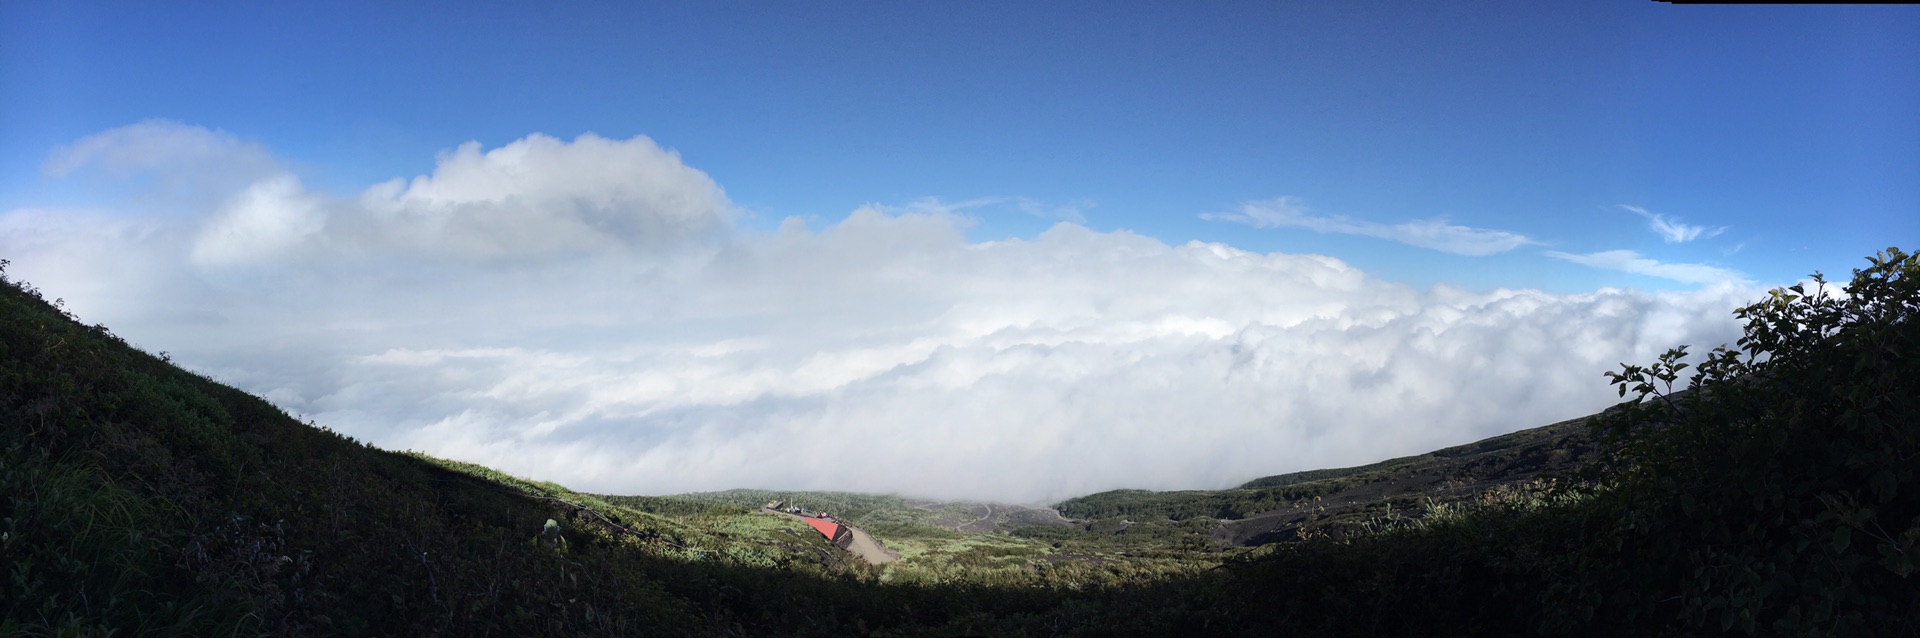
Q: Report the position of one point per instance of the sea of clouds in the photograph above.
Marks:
(593, 312)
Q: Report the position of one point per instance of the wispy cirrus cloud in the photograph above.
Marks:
(175, 167)
(162, 144)
(1631, 262)
(1072, 211)
(1434, 234)
(1670, 228)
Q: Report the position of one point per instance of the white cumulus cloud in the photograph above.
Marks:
(540, 196)
(1287, 212)
(269, 217)
(638, 342)
(535, 198)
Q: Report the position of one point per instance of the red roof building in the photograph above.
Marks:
(833, 531)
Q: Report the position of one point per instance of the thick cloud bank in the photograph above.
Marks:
(586, 312)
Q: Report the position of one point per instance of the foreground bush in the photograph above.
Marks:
(1773, 493)
(1776, 493)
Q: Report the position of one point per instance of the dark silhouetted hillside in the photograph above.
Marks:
(1775, 493)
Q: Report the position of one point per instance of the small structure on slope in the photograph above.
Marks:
(839, 535)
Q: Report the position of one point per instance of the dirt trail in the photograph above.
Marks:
(987, 522)
(867, 548)
(862, 544)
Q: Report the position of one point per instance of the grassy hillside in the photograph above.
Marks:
(1501, 458)
(860, 509)
(147, 500)
(1352, 500)
(1777, 495)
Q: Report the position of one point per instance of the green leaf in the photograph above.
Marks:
(1885, 485)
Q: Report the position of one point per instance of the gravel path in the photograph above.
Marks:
(867, 548)
(863, 544)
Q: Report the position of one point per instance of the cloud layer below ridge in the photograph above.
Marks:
(588, 312)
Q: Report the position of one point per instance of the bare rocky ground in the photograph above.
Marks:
(990, 517)
(869, 549)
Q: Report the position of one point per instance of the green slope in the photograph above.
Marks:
(1348, 500)
(1780, 498)
(1516, 455)
(142, 499)
(145, 499)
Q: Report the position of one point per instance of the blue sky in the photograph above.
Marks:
(844, 213)
(1789, 126)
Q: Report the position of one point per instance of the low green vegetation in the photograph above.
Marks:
(1341, 502)
(1554, 446)
(860, 509)
(1774, 493)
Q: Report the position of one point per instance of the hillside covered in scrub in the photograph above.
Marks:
(1343, 501)
(1773, 492)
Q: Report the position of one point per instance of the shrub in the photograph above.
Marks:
(1775, 492)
